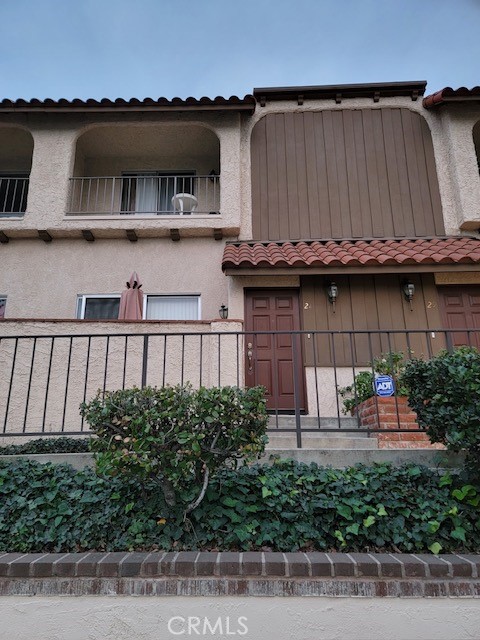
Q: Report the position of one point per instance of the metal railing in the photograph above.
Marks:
(13, 195)
(46, 377)
(145, 195)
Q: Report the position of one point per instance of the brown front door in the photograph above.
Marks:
(461, 310)
(270, 359)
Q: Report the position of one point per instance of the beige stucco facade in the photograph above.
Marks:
(61, 146)
(50, 376)
(43, 279)
(122, 618)
(205, 141)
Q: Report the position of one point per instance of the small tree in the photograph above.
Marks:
(176, 435)
(445, 394)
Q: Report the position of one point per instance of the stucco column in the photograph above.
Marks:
(230, 175)
(52, 164)
(226, 365)
(462, 162)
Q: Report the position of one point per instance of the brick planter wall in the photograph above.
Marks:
(390, 414)
(257, 574)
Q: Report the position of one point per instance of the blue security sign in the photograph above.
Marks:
(384, 386)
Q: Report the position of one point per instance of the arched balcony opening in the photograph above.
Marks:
(16, 150)
(476, 142)
(146, 170)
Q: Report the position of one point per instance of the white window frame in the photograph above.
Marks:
(174, 295)
(82, 302)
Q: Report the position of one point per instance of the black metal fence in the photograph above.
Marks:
(46, 377)
(13, 194)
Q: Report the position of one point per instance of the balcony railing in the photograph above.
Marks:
(145, 195)
(13, 195)
(46, 377)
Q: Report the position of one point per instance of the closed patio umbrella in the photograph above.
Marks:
(131, 302)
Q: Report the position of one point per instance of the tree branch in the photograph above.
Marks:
(193, 505)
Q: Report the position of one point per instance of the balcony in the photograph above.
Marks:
(145, 194)
(16, 149)
(13, 194)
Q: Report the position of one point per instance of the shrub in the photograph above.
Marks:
(177, 436)
(445, 394)
(283, 507)
(47, 445)
(391, 364)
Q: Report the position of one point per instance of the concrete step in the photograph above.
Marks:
(336, 458)
(312, 422)
(341, 458)
(328, 440)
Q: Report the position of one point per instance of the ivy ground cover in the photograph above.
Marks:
(286, 506)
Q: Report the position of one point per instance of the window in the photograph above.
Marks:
(172, 308)
(3, 304)
(98, 307)
(152, 191)
(156, 307)
(13, 192)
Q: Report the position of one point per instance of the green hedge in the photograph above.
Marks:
(284, 507)
(445, 394)
(48, 445)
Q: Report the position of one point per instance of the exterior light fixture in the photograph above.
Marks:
(332, 292)
(408, 291)
(223, 312)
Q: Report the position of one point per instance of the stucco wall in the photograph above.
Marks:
(54, 155)
(45, 379)
(238, 284)
(322, 383)
(457, 150)
(108, 618)
(42, 280)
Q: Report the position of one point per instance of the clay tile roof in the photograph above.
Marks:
(343, 253)
(134, 104)
(451, 95)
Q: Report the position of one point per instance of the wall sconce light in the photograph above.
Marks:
(332, 292)
(223, 312)
(408, 291)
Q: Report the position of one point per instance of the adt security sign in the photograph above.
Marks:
(384, 386)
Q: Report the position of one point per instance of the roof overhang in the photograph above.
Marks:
(448, 95)
(339, 92)
(352, 256)
(314, 271)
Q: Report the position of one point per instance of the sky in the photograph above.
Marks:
(152, 48)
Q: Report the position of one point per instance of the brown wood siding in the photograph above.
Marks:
(370, 302)
(344, 174)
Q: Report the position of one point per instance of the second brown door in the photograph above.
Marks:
(461, 310)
